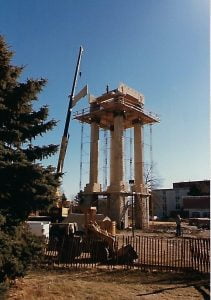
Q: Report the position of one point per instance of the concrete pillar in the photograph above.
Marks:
(117, 185)
(141, 211)
(138, 157)
(116, 157)
(93, 185)
(112, 162)
(141, 199)
(93, 171)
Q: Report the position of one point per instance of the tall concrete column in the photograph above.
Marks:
(93, 185)
(116, 157)
(93, 171)
(112, 162)
(117, 184)
(138, 157)
(141, 200)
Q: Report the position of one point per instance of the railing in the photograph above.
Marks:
(182, 254)
(153, 253)
(123, 101)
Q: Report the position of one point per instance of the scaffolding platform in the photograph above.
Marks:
(103, 108)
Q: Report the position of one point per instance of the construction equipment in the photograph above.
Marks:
(65, 137)
(61, 210)
(68, 241)
(100, 244)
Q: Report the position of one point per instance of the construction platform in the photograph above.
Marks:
(116, 111)
(119, 100)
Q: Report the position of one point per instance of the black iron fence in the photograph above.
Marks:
(154, 253)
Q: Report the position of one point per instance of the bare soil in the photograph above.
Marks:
(168, 229)
(118, 283)
(99, 284)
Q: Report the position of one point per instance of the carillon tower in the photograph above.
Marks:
(116, 111)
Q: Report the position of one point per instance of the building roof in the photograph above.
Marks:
(205, 182)
(196, 202)
(161, 190)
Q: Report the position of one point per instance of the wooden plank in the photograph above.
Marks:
(167, 253)
(155, 253)
(145, 250)
(139, 248)
(161, 251)
(150, 253)
(144, 246)
(201, 258)
(197, 254)
(207, 258)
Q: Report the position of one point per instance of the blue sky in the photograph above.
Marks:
(158, 47)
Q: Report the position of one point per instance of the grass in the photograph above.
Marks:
(99, 284)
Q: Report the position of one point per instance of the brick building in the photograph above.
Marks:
(197, 206)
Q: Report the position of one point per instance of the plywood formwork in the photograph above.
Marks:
(105, 106)
(116, 111)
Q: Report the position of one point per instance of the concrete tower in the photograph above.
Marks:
(116, 111)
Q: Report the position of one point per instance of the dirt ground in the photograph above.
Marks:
(98, 284)
(168, 229)
(101, 283)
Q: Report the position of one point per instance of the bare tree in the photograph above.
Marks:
(151, 177)
(153, 181)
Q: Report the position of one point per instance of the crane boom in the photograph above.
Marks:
(65, 137)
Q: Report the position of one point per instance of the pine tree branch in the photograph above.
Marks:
(40, 153)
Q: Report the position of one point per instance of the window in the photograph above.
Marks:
(195, 214)
(206, 214)
(164, 209)
(177, 206)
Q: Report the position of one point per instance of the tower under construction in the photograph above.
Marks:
(115, 111)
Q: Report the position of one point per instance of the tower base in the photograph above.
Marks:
(118, 210)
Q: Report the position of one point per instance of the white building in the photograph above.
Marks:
(167, 201)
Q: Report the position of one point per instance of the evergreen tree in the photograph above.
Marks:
(25, 184)
(19, 250)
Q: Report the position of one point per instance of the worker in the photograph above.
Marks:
(178, 225)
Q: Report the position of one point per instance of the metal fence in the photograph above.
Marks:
(153, 253)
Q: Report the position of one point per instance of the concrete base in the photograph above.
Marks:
(141, 211)
(102, 207)
(117, 210)
(92, 187)
(122, 187)
(141, 188)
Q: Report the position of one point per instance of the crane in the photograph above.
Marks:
(59, 211)
(72, 101)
